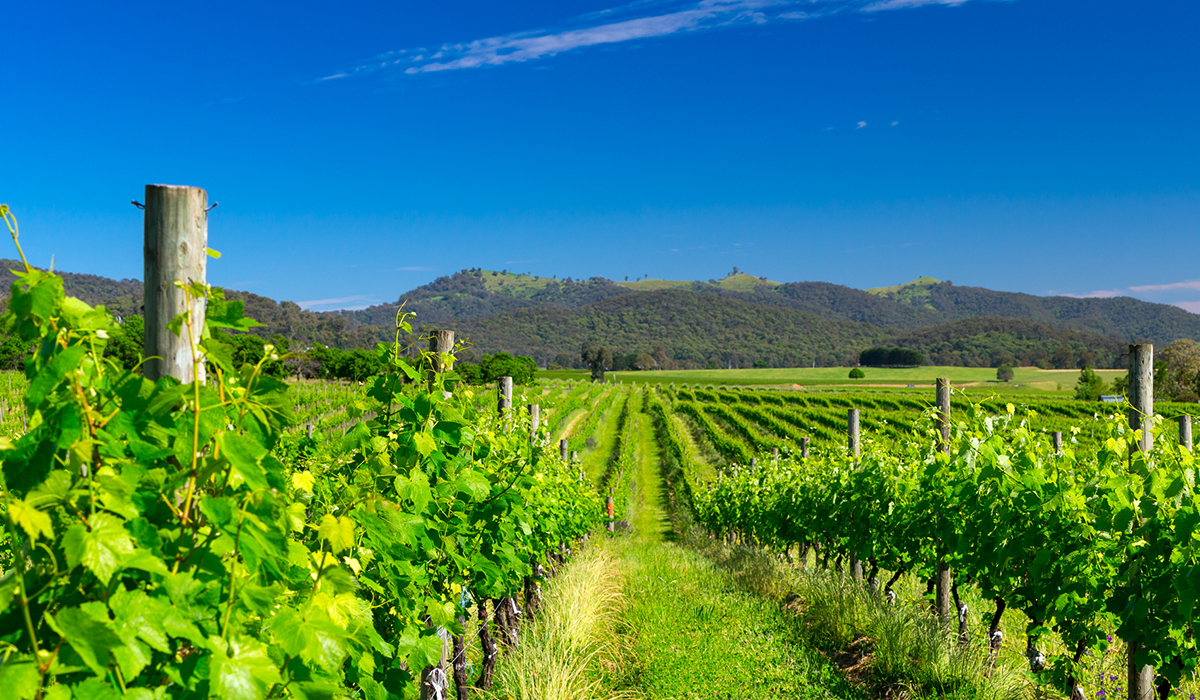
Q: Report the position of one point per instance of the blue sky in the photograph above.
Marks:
(1043, 146)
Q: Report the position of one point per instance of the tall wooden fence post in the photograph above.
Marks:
(1056, 436)
(441, 344)
(176, 248)
(504, 401)
(853, 433)
(562, 448)
(1141, 416)
(854, 437)
(943, 583)
(804, 448)
(535, 412)
(1185, 431)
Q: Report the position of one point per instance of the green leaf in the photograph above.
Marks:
(425, 443)
(101, 547)
(338, 532)
(228, 314)
(20, 678)
(246, 457)
(139, 615)
(91, 639)
(33, 521)
(260, 599)
(52, 375)
(213, 253)
(244, 672)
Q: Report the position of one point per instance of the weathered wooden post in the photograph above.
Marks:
(1141, 416)
(441, 347)
(855, 449)
(943, 583)
(775, 454)
(504, 402)
(853, 433)
(1057, 437)
(535, 412)
(311, 429)
(608, 506)
(176, 249)
(1185, 431)
(804, 448)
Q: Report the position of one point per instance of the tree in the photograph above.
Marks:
(660, 356)
(1090, 385)
(1177, 370)
(125, 346)
(643, 361)
(1063, 358)
(857, 373)
(522, 369)
(1004, 373)
(595, 358)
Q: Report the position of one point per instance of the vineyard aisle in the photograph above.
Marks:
(694, 634)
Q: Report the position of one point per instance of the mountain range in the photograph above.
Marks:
(738, 321)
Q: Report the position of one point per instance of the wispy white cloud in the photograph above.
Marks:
(350, 303)
(904, 4)
(1193, 306)
(861, 125)
(644, 19)
(1191, 286)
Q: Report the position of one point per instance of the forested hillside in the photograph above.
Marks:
(739, 321)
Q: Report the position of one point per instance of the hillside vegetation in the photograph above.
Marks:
(738, 321)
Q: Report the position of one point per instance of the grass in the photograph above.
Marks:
(1026, 378)
(572, 645)
(692, 631)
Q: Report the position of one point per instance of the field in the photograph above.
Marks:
(683, 535)
(980, 378)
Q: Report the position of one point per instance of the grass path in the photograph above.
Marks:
(693, 633)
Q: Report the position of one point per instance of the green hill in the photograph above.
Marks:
(738, 321)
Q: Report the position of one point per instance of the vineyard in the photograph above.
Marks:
(206, 530)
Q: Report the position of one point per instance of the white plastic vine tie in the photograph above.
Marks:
(437, 683)
(962, 612)
(891, 597)
(515, 610)
(997, 637)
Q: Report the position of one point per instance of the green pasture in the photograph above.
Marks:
(1026, 378)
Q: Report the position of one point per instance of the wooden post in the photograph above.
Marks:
(1185, 431)
(441, 345)
(1140, 678)
(804, 448)
(1057, 436)
(775, 454)
(943, 415)
(562, 448)
(852, 429)
(535, 412)
(504, 386)
(1141, 395)
(574, 456)
(608, 506)
(943, 581)
(311, 429)
(176, 248)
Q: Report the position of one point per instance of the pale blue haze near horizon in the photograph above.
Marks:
(1040, 146)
